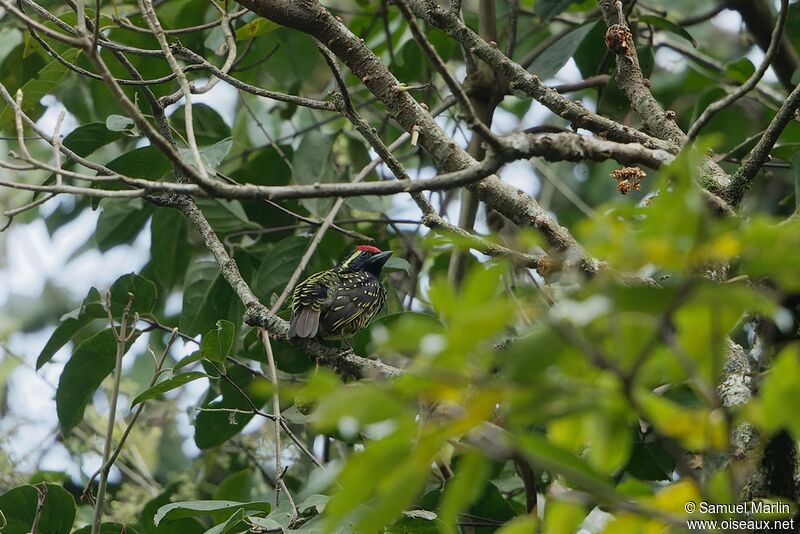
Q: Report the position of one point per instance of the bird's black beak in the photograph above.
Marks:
(378, 260)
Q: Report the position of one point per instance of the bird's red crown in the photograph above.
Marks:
(368, 248)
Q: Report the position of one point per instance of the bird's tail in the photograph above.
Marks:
(304, 324)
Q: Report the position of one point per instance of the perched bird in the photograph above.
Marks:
(336, 304)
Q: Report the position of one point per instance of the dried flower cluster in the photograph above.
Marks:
(628, 179)
(619, 40)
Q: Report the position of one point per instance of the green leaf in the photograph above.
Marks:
(34, 90)
(406, 329)
(740, 70)
(209, 126)
(225, 216)
(549, 457)
(408, 63)
(91, 309)
(470, 477)
(773, 251)
(18, 506)
(547, 9)
(563, 516)
(229, 524)
(10, 39)
(216, 344)
(366, 203)
(89, 365)
(120, 222)
(785, 151)
(746, 146)
(278, 265)
(550, 61)
(212, 155)
(188, 525)
(366, 471)
(310, 164)
(650, 460)
(186, 360)
(667, 25)
(289, 358)
(611, 436)
(589, 55)
(146, 162)
(144, 295)
(17, 67)
(212, 428)
(254, 28)
(362, 405)
(524, 524)
(277, 161)
(396, 263)
(396, 491)
(697, 429)
(491, 503)
(313, 504)
(781, 382)
(84, 140)
(236, 486)
(168, 385)
(207, 297)
(169, 248)
(178, 510)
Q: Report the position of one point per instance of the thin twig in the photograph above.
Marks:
(79, 43)
(41, 499)
(122, 336)
(702, 17)
(230, 58)
(592, 81)
(123, 23)
(159, 365)
(147, 8)
(96, 29)
(512, 7)
(718, 105)
(458, 91)
(276, 410)
(11, 213)
(568, 193)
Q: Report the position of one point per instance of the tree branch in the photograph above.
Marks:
(758, 17)
(748, 85)
(310, 17)
(636, 88)
(522, 83)
(743, 178)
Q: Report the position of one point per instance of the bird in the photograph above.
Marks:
(338, 303)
